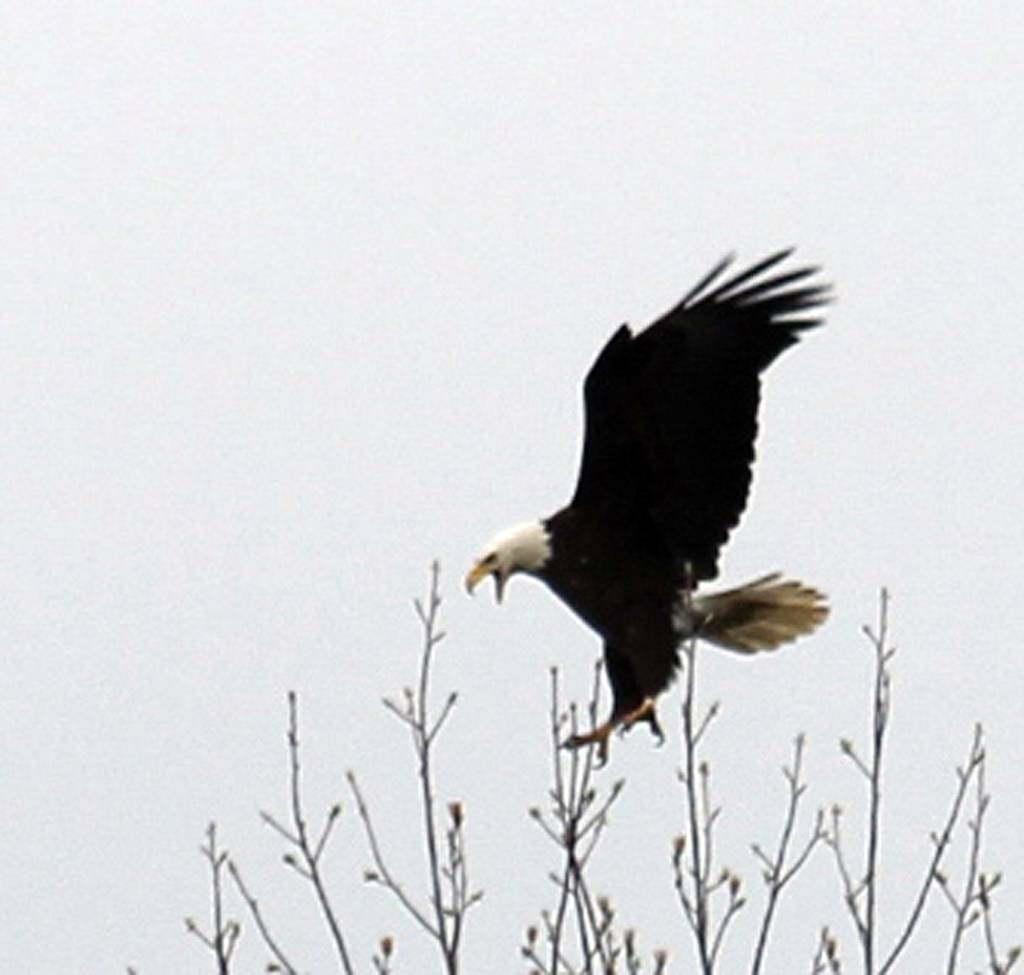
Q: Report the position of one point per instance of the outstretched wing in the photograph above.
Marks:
(671, 413)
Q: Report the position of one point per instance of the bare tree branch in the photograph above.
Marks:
(694, 881)
(451, 895)
(860, 893)
(778, 870)
(224, 934)
(307, 855)
(280, 959)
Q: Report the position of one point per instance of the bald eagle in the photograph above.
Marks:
(670, 424)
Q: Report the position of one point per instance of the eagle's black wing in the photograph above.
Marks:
(671, 413)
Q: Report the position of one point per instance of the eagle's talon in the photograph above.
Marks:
(656, 729)
(599, 736)
(646, 712)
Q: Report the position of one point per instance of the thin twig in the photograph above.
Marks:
(863, 914)
(880, 711)
(701, 820)
(305, 861)
(826, 958)
(974, 886)
(940, 842)
(424, 739)
(380, 873)
(777, 871)
(280, 959)
(998, 965)
(225, 934)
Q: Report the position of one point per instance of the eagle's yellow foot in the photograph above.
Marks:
(599, 736)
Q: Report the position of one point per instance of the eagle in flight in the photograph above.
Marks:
(670, 425)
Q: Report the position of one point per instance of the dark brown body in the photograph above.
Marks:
(626, 595)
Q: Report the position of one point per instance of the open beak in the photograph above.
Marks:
(475, 576)
(481, 571)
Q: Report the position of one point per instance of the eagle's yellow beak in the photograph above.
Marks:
(479, 572)
(476, 575)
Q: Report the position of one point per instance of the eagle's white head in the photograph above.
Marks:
(524, 548)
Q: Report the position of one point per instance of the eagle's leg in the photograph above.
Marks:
(600, 735)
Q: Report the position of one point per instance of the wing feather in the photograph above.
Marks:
(671, 413)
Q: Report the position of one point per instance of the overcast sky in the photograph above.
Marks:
(297, 297)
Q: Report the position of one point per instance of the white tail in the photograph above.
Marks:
(761, 615)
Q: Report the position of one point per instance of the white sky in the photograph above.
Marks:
(297, 297)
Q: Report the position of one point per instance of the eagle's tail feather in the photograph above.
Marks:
(761, 615)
